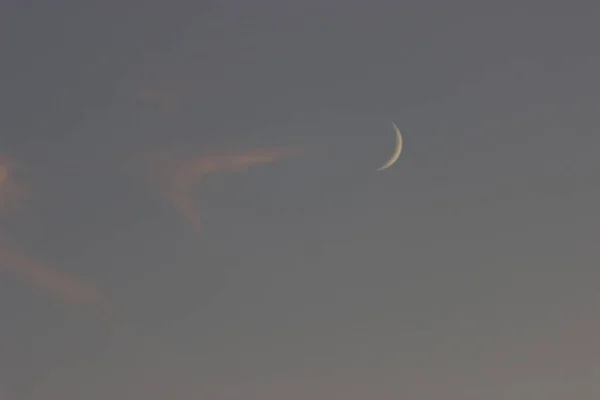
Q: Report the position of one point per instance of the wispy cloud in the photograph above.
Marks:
(178, 177)
(13, 193)
(58, 284)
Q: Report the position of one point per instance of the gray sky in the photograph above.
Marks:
(190, 207)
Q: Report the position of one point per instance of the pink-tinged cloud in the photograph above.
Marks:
(13, 193)
(59, 285)
(178, 177)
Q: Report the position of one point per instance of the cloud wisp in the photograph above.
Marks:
(60, 285)
(178, 177)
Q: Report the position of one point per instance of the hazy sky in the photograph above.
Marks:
(189, 207)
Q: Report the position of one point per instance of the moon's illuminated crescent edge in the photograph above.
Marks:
(397, 150)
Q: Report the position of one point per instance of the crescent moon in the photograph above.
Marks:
(397, 150)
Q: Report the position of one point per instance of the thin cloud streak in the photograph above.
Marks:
(59, 285)
(177, 178)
